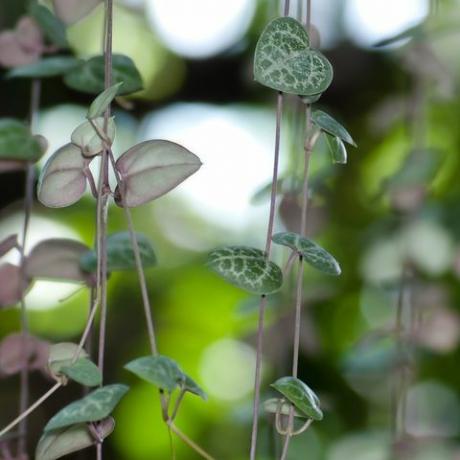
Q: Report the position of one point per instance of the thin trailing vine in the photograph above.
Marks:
(286, 62)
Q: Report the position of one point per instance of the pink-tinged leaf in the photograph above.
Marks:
(29, 35)
(70, 11)
(8, 243)
(151, 169)
(57, 259)
(18, 351)
(10, 285)
(12, 54)
(11, 165)
(87, 138)
(62, 181)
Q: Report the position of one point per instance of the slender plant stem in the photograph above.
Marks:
(138, 261)
(28, 203)
(182, 436)
(36, 404)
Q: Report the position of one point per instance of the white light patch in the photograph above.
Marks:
(227, 369)
(200, 28)
(235, 145)
(43, 294)
(368, 21)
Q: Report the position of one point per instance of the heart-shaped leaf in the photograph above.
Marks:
(53, 28)
(161, 371)
(337, 149)
(301, 395)
(57, 259)
(11, 285)
(71, 11)
(62, 181)
(285, 62)
(18, 351)
(312, 253)
(95, 406)
(17, 142)
(331, 126)
(8, 243)
(120, 254)
(57, 443)
(83, 371)
(192, 387)
(46, 67)
(62, 355)
(151, 169)
(247, 268)
(88, 77)
(87, 138)
(276, 405)
(100, 104)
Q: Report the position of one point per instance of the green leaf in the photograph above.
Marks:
(96, 406)
(285, 62)
(62, 181)
(247, 268)
(57, 443)
(273, 405)
(151, 169)
(120, 254)
(17, 142)
(192, 387)
(61, 355)
(312, 253)
(88, 77)
(331, 126)
(337, 149)
(86, 137)
(301, 395)
(46, 67)
(161, 371)
(100, 104)
(53, 28)
(83, 371)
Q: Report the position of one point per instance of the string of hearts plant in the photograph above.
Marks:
(144, 172)
(286, 62)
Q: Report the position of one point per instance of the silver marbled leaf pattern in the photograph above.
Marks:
(97, 405)
(311, 252)
(247, 268)
(284, 61)
(300, 395)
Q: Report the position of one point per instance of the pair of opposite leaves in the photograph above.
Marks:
(147, 170)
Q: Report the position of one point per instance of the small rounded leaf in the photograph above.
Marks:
(192, 387)
(11, 285)
(62, 181)
(247, 268)
(17, 142)
(285, 62)
(161, 371)
(86, 137)
(337, 149)
(83, 371)
(88, 77)
(46, 67)
(100, 104)
(61, 355)
(120, 254)
(57, 259)
(53, 28)
(58, 443)
(328, 124)
(300, 395)
(151, 169)
(311, 252)
(95, 406)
